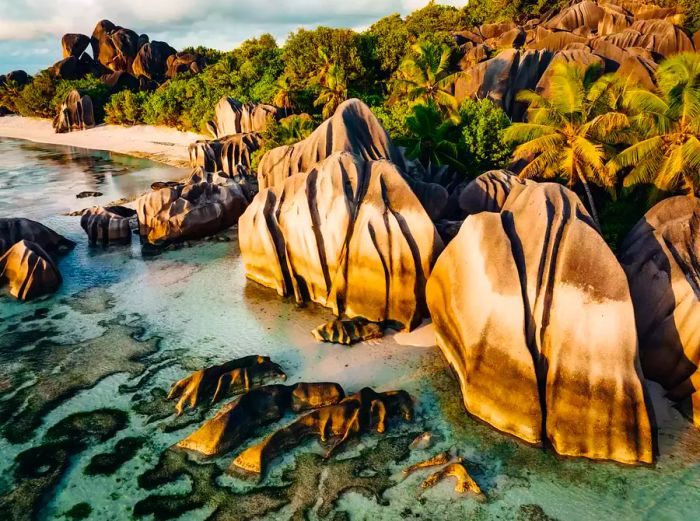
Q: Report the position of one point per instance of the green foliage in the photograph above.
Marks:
(125, 108)
(393, 117)
(483, 126)
(90, 86)
(210, 55)
(36, 97)
(390, 42)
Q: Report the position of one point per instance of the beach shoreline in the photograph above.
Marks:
(161, 144)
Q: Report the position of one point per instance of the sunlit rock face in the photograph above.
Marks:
(151, 60)
(661, 256)
(230, 154)
(533, 312)
(489, 191)
(75, 113)
(353, 128)
(29, 271)
(113, 46)
(193, 210)
(233, 117)
(349, 235)
(498, 60)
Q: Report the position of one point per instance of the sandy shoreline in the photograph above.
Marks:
(162, 144)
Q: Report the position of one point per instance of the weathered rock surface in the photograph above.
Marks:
(533, 312)
(353, 128)
(74, 44)
(349, 235)
(233, 117)
(151, 61)
(229, 154)
(113, 46)
(14, 230)
(334, 424)
(75, 113)
(661, 256)
(193, 210)
(489, 191)
(29, 271)
(238, 420)
(183, 62)
(348, 332)
(108, 225)
(66, 69)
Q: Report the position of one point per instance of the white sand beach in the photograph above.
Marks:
(163, 144)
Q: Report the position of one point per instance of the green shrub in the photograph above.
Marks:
(483, 124)
(125, 108)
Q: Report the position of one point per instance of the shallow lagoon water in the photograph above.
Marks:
(122, 328)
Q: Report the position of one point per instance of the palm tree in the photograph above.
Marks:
(334, 90)
(432, 139)
(427, 76)
(570, 129)
(283, 96)
(668, 152)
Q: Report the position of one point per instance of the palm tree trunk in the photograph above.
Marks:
(591, 203)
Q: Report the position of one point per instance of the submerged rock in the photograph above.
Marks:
(463, 481)
(533, 313)
(349, 235)
(14, 230)
(661, 257)
(216, 382)
(355, 415)
(238, 420)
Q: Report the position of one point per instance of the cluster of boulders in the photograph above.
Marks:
(620, 35)
(122, 58)
(28, 252)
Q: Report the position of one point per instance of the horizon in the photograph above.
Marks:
(31, 31)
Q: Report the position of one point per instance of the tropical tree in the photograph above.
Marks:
(283, 96)
(570, 129)
(432, 139)
(427, 77)
(668, 151)
(334, 90)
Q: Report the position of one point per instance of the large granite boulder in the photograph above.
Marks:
(489, 191)
(151, 60)
(182, 62)
(233, 117)
(67, 68)
(113, 46)
(27, 251)
(29, 271)
(117, 81)
(661, 256)
(74, 44)
(349, 234)
(353, 128)
(14, 230)
(582, 14)
(110, 225)
(75, 113)
(193, 210)
(230, 154)
(533, 312)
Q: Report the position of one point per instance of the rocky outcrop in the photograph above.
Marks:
(29, 271)
(196, 209)
(182, 62)
(14, 230)
(74, 44)
(113, 46)
(489, 191)
(348, 332)
(117, 81)
(661, 257)
(75, 113)
(239, 419)
(27, 249)
(230, 154)
(349, 235)
(233, 117)
(151, 60)
(353, 128)
(533, 312)
(110, 225)
(355, 415)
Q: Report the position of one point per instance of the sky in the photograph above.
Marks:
(31, 30)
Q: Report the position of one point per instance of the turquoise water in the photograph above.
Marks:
(82, 375)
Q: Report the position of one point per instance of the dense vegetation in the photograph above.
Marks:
(589, 131)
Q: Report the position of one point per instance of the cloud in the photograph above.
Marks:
(32, 29)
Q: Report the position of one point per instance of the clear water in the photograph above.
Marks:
(122, 326)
